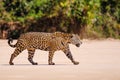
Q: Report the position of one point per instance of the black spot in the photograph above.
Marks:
(62, 43)
(46, 49)
(69, 55)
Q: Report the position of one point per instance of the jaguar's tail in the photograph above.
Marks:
(10, 40)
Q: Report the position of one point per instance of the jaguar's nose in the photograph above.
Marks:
(78, 45)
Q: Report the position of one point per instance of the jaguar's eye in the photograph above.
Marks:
(71, 36)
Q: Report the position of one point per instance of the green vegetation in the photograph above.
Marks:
(88, 18)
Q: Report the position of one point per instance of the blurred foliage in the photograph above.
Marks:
(88, 18)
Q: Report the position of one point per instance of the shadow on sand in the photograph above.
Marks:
(36, 65)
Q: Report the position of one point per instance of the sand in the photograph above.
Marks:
(99, 60)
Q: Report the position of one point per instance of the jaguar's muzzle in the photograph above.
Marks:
(78, 45)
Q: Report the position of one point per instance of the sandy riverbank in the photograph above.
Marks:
(99, 60)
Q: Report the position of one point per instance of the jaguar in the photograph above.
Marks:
(44, 41)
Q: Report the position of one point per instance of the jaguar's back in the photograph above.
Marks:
(37, 40)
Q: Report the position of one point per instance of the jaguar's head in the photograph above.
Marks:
(75, 40)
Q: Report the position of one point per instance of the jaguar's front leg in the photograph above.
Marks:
(69, 55)
(50, 58)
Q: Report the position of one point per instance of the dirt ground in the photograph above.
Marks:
(99, 60)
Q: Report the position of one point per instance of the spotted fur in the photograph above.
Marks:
(44, 41)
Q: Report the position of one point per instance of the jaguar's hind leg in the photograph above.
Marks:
(31, 55)
(17, 51)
